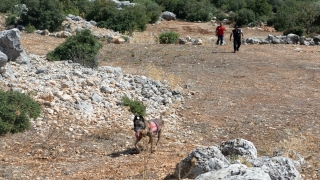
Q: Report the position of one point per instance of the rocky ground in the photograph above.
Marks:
(266, 94)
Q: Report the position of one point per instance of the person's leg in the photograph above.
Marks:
(234, 45)
(221, 40)
(239, 44)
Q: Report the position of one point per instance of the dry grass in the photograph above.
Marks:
(159, 74)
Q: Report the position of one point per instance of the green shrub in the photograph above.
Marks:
(15, 110)
(11, 19)
(128, 20)
(136, 107)
(153, 10)
(75, 7)
(243, 17)
(168, 37)
(7, 5)
(194, 10)
(169, 5)
(43, 14)
(30, 28)
(296, 30)
(220, 15)
(81, 48)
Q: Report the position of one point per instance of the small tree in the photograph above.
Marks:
(81, 48)
(15, 111)
(43, 14)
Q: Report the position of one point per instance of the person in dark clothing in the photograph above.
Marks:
(237, 35)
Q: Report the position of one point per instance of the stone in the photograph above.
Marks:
(235, 172)
(277, 167)
(240, 147)
(3, 59)
(168, 16)
(203, 159)
(11, 46)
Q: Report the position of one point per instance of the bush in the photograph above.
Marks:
(296, 30)
(243, 17)
(30, 29)
(220, 15)
(43, 14)
(15, 110)
(136, 107)
(11, 20)
(153, 10)
(81, 48)
(169, 5)
(7, 5)
(193, 10)
(129, 19)
(75, 7)
(168, 37)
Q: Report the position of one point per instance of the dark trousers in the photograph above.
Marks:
(236, 44)
(220, 38)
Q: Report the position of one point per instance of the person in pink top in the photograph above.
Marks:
(220, 32)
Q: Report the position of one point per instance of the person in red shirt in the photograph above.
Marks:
(220, 32)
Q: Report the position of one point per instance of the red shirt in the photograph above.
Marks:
(220, 30)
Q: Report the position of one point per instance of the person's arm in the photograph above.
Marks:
(230, 36)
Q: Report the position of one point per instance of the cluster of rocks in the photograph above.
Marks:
(86, 94)
(189, 40)
(289, 39)
(122, 4)
(236, 159)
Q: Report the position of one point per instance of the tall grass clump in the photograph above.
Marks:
(16, 109)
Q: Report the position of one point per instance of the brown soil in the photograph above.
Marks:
(267, 94)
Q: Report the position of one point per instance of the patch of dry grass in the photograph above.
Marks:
(144, 38)
(159, 74)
